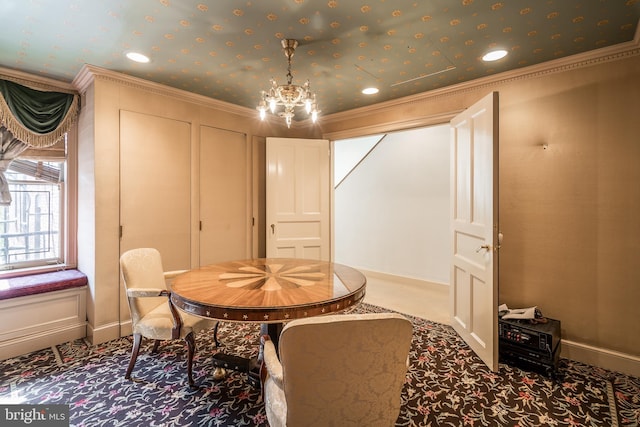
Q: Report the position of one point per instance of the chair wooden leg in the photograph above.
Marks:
(191, 349)
(155, 346)
(137, 339)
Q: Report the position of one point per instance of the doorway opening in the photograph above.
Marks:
(391, 213)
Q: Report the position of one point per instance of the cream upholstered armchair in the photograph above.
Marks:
(152, 314)
(337, 370)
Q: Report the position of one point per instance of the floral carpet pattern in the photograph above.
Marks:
(446, 385)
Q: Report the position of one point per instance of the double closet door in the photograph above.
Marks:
(183, 191)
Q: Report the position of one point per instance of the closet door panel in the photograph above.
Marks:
(155, 189)
(224, 219)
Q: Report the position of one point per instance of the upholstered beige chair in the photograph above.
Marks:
(152, 314)
(337, 370)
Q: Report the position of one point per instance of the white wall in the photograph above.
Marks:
(349, 152)
(392, 211)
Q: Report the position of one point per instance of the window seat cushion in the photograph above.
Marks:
(41, 283)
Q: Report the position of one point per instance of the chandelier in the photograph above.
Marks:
(288, 96)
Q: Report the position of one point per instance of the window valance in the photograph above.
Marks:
(30, 118)
(36, 117)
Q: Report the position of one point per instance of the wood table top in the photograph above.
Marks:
(268, 290)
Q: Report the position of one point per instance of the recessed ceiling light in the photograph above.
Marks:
(494, 55)
(137, 57)
(370, 90)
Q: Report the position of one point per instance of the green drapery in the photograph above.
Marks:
(10, 149)
(30, 117)
(37, 118)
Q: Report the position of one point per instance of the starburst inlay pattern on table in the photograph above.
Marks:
(273, 277)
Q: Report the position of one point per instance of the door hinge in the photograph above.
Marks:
(200, 226)
(120, 231)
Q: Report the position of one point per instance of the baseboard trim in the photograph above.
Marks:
(400, 279)
(41, 340)
(103, 333)
(601, 357)
(126, 328)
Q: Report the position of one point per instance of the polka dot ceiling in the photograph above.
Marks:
(229, 49)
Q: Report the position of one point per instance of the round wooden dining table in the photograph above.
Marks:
(269, 291)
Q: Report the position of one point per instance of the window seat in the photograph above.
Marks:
(42, 310)
(41, 283)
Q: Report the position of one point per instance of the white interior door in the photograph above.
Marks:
(473, 294)
(224, 219)
(298, 194)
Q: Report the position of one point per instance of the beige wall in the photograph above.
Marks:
(569, 213)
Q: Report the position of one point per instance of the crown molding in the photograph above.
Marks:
(386, 127)
(582, 60)
(90, 73)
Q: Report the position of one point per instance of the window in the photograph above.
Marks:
(38, 195)
(31, 227)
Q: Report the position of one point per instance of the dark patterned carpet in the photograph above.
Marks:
(447, 385)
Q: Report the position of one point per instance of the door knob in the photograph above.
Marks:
(485, 247)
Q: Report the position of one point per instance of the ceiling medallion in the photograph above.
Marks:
(289, 95)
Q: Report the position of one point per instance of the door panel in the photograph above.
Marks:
(473, 294)
(298, 192)
(155, 189)
(224, 219)
(155, 193)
